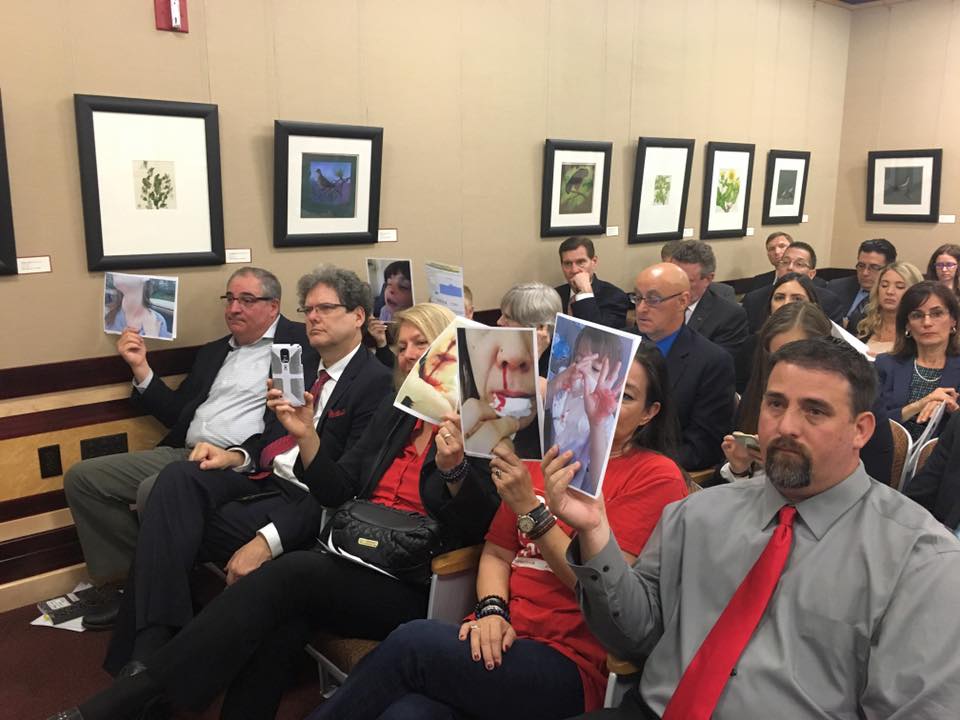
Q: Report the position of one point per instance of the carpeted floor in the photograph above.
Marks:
(43, 670)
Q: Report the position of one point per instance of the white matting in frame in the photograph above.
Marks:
(124, 140)
(882, 188)
(660, 212)
(362, 150)
(730, 215)
(787, 191)
(584, 158)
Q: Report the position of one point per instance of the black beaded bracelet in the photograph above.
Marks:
(489, 600)
(494, 610)
(455, 474)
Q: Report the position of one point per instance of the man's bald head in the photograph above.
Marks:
(665, 289)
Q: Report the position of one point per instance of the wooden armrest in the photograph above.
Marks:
(698, 476)
(456, 561)
(621, 667)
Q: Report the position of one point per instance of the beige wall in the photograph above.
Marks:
(466, 91)
(902, 93)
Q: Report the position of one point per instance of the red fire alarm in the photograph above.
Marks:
(171, 15)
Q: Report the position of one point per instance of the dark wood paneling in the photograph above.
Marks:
(40, 553)
(487, 317)
(32, 505)
(62, 418)
(91, 372)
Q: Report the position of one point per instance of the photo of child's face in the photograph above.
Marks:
(397, 293)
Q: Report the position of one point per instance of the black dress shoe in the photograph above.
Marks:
(71, 714)
(103, 616)
(134, 667)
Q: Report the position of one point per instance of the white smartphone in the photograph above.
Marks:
(286, 369)
(748, 441)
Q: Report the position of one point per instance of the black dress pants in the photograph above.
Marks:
(193, 515)
(243, 638)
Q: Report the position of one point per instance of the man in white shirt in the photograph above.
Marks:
(245, 505)
(221, 402)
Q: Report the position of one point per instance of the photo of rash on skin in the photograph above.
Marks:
(430, 390)
(432, 366)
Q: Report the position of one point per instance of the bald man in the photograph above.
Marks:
(701, 373)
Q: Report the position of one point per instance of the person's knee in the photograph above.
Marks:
(78, 480)
(143, 492)
(176, 477)
(422, 637)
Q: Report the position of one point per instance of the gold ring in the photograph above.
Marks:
(474, 626)
(447, 436)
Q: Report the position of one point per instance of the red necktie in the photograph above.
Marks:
(285, 443)
(703, 681)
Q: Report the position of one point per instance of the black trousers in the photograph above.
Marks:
(243, 638)
(193, 515)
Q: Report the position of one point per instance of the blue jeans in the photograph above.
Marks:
(423, 671)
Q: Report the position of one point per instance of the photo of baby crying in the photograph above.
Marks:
(499, 391)
(585, 381)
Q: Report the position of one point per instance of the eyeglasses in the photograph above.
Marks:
(937, 313)
(245, 299)
(798, 264)
(872, 267)
(945, 266)
(320, 308)
(651, 300)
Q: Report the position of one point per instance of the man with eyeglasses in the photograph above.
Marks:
(221, 402)
(854, 290)
(701, 373)
(800, 258)
(243, 505)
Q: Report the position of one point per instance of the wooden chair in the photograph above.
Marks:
(698, 476)
(623, 676)
(926, 450)
(902, 444)
(452, 596)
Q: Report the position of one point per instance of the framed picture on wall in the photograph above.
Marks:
(150, 181)
(576, 187)
(326, 187)
(785, 188)
(8, 248)
(660, 184)
(726, 190)
(904, 185)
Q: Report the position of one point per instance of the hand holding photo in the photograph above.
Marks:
(585, 383)
(145, 303)
(392, 282)
(498, 391)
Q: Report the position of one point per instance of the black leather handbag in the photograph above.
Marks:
(401, 543)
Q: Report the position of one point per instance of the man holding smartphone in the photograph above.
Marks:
(243, 505)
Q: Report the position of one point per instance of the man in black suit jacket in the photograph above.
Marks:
(776, 244)
(592, 298)
(937, 485)
(210, 508)
(701, 373)
(222, 400)
(799, 258)
(853, 291)
(722, 322)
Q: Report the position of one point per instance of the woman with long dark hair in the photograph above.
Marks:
(943, 266)
(245, 638)
(526, 651)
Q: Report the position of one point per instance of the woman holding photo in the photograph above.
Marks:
(526, 652)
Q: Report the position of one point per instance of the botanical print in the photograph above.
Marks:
(728, 189)
(328, 186)
(903, 185)
(661, 189)
(576, 188)
(786, 187)
(153, 185)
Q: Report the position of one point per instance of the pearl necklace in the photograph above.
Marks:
(916, 369)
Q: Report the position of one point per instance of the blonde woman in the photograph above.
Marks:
(878, 328)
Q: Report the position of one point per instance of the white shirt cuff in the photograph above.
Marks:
(582, 296)
(270, 534)
(247, 465)
(143, 385)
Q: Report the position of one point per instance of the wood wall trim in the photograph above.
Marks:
(35, 588)
(39, 553)
(32, 505)
(50, 420)
(89, 372)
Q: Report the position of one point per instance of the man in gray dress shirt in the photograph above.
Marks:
(863, 621)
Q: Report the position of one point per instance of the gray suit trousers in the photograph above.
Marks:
(100, 492)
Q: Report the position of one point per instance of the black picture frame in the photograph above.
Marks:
(710, 226)
(205, 235)
(8, 246)
(773, 212)
(640, 202)
(587, 151)
(326, 139)
(904, 164)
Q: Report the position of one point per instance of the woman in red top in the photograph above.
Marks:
(244, 639)
(526, 652)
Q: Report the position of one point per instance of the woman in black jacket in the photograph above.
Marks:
(243, 640)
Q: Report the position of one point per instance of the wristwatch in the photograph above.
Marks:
(528, 521)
